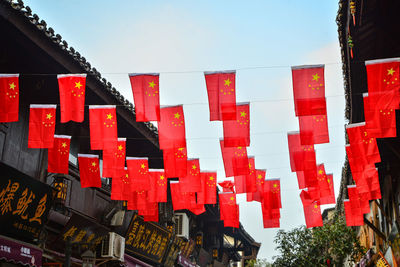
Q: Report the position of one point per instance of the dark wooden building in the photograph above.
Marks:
(76, 220)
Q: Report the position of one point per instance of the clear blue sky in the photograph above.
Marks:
(119, 37)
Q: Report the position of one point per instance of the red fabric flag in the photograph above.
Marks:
(240, 184)
(138, 201)
(270, 217)
(192, 181)
(120, 186)
(260, 179)
(72, 96)
(272, 194)
(322, 178)
(309, 90)
(181, 200)
(42, 124)
(89, 170)
(329, 197)
(229, 210)
(114, 159)
(151, 213)
(227, 186)
(380, 114)
(198, 209)
(221, 90)
(237, 132)
(307, 178)
(251, 177)
(302, 158)
(58, 155)
(313, 129)
(309, 196)
(312, 214)
(103, 127)
(175, 162)
(171, 127)
(138, 169)
(9, 97)
(158, 186)
(360, 201)
(208, 194)
(354, 217)
(383, 75)
(235, 160)
(146, 96)
(362, 144)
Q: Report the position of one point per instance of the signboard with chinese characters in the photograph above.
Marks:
(173, 251)
(19, 252)
(146, 239)
(24, 204)
(81, 231)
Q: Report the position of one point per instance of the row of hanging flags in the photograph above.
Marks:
(132, 180)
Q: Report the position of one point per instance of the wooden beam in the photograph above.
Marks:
(376, 230)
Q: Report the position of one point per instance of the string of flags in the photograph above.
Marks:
(144, 188)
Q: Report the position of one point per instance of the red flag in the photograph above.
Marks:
(171, 127)
(192, 181)
(9, 97)
(251, 177)
(103, 127)
(380, 114)
(227, 186)
(175, 162)
(138, 201)
(313, 129)
(354, 217)
(114, 159)
(72, 96)
(237, 132)
(360, 201)
(158, 186)
(309, 90)
(150, 214)
(309, 196)
(221, 90)
(120, 186)
(328, 198)
(270, 217)
(89, 171)
(272, 194)
(42, 124)
(362, 144)
(240, 184)
(58, 155)
(312, 214)
(235, 160)
(146, 95)
(322, 178)
(208, 194)
(229, 210)
(307, 178)
(260, 179)
(302, 158)
(138, 169)
(181, 200)
(383, 75)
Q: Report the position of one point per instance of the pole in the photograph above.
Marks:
(68, 251)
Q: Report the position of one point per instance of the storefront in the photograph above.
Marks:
(18, 252)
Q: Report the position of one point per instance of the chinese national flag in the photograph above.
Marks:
(260, 179)
(58, 155)
(9, 97)
(150, 214)
(114, 160)
(229, 210)
(309, 90)
(302, 157)
(138, 201)
(120, 186)
(251, 177)
(307, 178)
(158, 186)
(235, 160)
(240, 184)
(221, 90)
(227, 186)
(380, 114)
(383, 75)
(42, 124)
(322, 178)
(192, 181)
(103, 127)
(362, 144)
(175, 162)
(361, 201)
(171, 127)
(181, 200)
(309, 196)
(312, 214)
(270, 217)
(89, 171)
(138, 169)
(272, 194)
(72, 96)
(237, 132)
(354, 216)
(313, 129)
(328, 197)
(208, 194)
(146, 95)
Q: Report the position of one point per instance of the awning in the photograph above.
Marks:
(185, 262)
(130, 261)
(20, 252)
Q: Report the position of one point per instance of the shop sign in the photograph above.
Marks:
(394, 242)
(183, 261)
(20, 253)
(173, 252)
(24, 204)
(147, 239)
(381, 261)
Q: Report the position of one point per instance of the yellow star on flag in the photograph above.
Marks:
(12, 86)
(152, 84)
(321, 172)
(94, 164)
(243, 114)
(328, 180)
(181, 149)
(232, 198)
(315, 206)
(49, 116)
(390, 71)
(78, 85)
(120, 147)
(228, 82)
(143, 166)
(109, 116)
(259, 176)
(177, 115)
(211, 178)
(126, 176)
(162, 177)
(275, 185)
(239, 147)
(250, 166)
(194, 167)
(64, 144)
(315, 77)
